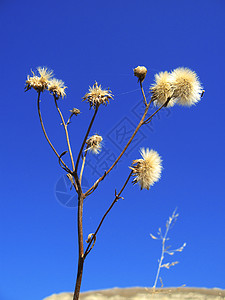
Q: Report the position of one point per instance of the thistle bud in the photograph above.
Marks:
(75, 111)
(89, 238)
(140, 72)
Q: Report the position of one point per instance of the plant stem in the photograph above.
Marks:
(117, 196)
(145, 101)
(81, 247)
(67, 134)
(46, 136)
(149, 119)
(162, 254)
(85, 138)
(82, 167)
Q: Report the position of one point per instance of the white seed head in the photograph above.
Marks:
(97, 96)
(187, 89)
(39, 82)
(140, 72)
(162, 89)
(57, 88)
(94, 144)
(147, 169)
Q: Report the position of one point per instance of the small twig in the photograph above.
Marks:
(145, 101)
(89, 242)
(65, 169)
(82, 167)
(117, 197)
(66, 131)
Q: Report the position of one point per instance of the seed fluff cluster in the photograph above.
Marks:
(97, 96)
(94, 144)
(147, 169)
(57, 88)
(39, 83)
(187, 89)
(162, 89)
(181, 86)
(44, 81)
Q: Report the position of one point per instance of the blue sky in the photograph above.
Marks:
(84, 41)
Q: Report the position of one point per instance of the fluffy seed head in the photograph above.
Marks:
(57, 88)
(94, 144)
(147, 169)
(140, 72)
(39, 82)
(162, 89)
(97, 96)
(186, 86)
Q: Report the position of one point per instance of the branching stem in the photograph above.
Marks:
(148, 120)
(162, 256)
(164, 238)
(67, 134)
(85, 138)
(45, 134)
(117, 197)
(142, 122)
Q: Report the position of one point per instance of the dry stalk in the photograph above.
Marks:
(166, 249)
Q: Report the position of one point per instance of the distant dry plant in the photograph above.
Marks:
(181, 86)
(166, 249)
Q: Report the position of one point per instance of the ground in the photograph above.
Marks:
(147, 293)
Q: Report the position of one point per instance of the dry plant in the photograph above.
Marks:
(166, 249)
(181, 87)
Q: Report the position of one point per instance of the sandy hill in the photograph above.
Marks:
(146, 293)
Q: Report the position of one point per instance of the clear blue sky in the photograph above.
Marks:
(84, 41)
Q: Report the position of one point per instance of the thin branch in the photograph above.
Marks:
(85, 138)
(92, 246)
(150, 118)
(45, 134)
(66, 131)
(145, 101)
(117, 197)
(121, 154)
(82, 167)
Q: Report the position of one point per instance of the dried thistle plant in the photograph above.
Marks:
(179, 87)
(166, 249)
